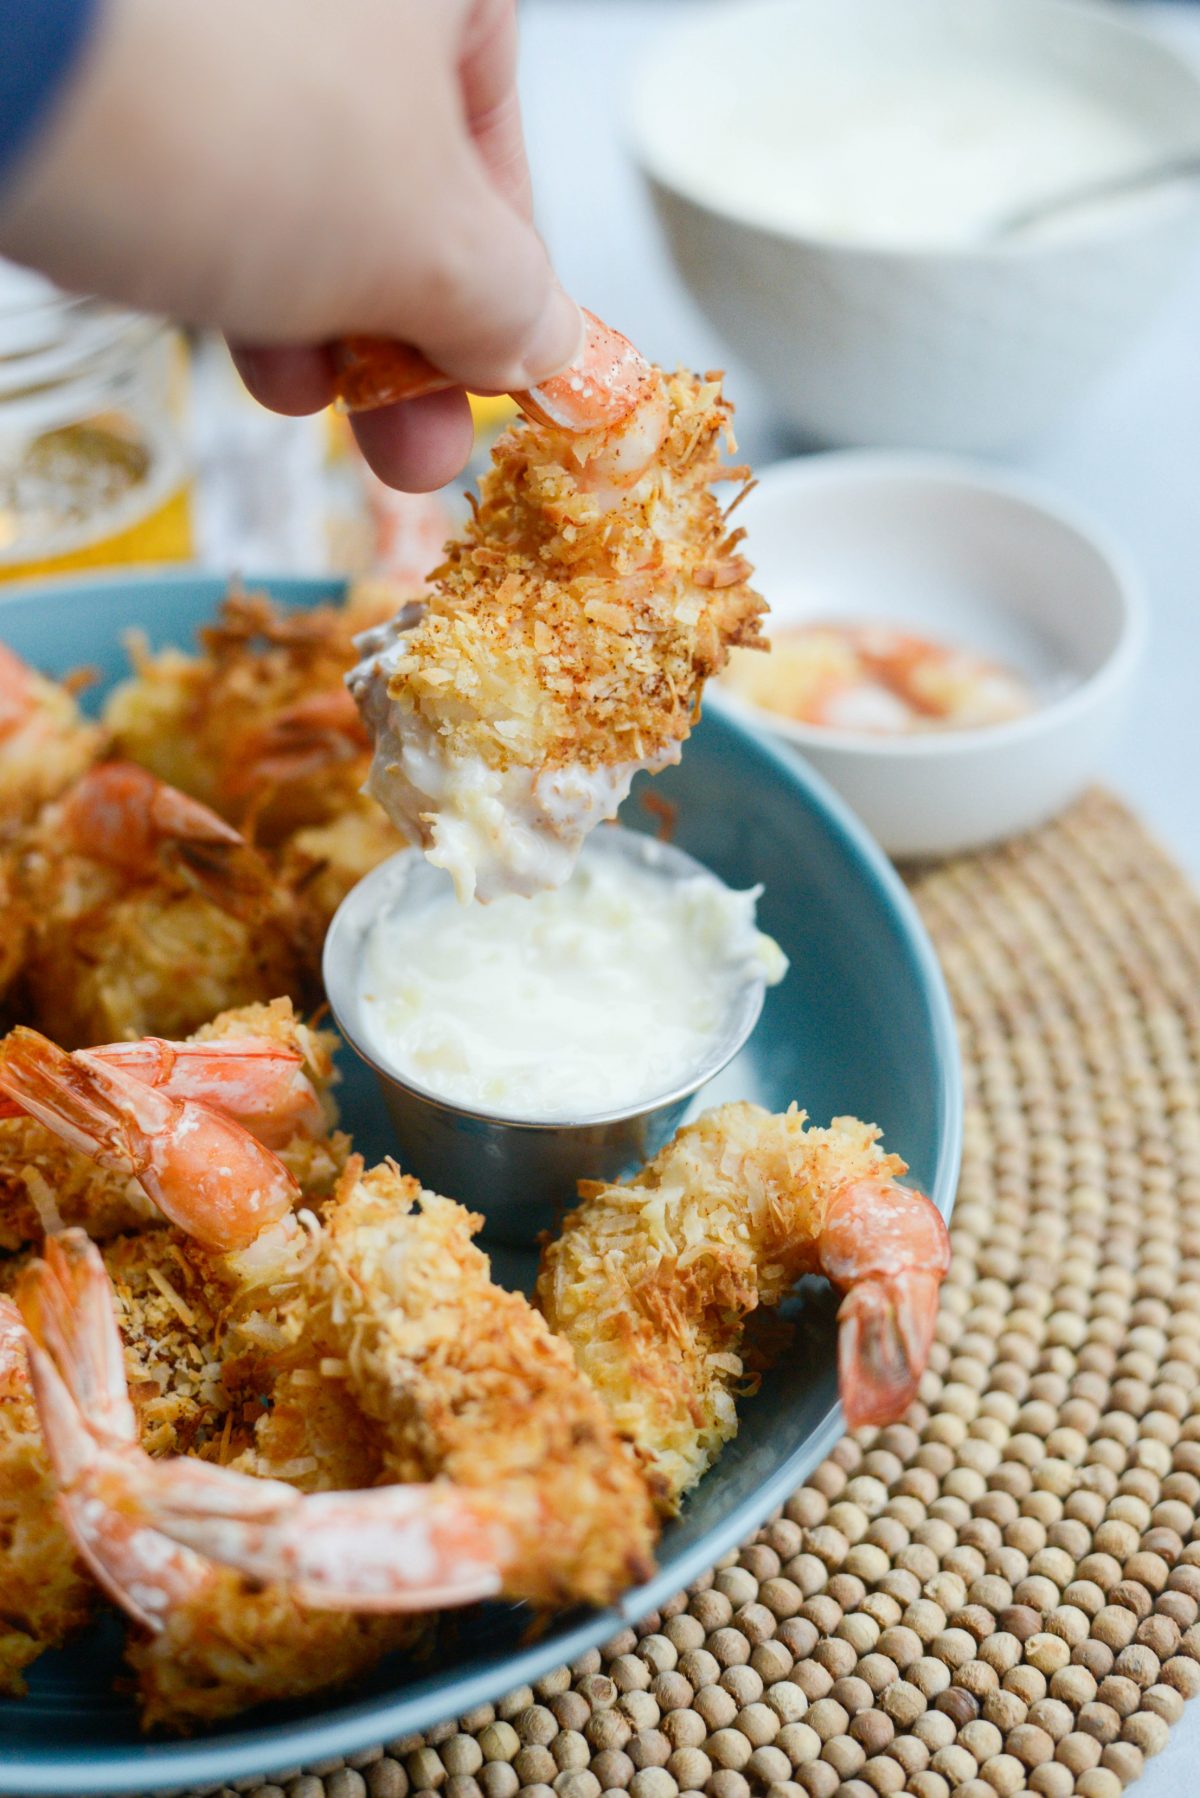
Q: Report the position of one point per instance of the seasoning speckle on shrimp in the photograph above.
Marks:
(652, 1279)
(569, 633)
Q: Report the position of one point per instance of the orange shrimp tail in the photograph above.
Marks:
(39, 1078)
(608, 379)
(887, 1248)
(121, 814)
(885, 1332)
(371, 372)
(66, 1302)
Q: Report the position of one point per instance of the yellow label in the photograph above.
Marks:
(164, 535)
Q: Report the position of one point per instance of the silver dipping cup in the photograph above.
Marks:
(520, 1174)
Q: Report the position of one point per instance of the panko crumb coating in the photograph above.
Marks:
(570, 625)
(470, 1386)
(651, 1280)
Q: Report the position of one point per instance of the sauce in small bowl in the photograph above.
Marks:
(524, 1044)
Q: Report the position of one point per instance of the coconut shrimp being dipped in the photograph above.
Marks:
(568, 634)
(651, 1280)
(45, 742)
(44, 1593)
(148, 914)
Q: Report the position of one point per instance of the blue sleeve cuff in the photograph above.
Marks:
(40, 43)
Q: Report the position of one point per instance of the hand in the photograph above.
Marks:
(293, 170)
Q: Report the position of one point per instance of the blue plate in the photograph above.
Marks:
(862, 1024)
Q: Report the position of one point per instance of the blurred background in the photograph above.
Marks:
(822, 197)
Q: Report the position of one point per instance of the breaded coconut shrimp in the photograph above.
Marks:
(569, 633)
(260, 727)
(45, 742)
(652, 1280)
(261, 1064)
(390, 1298)
(149, 914)
(207, 1642)
(467, 1384)
(16, 923)
(44, 1593)
(257, 724)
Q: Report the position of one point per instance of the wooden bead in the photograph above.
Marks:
(844, 1755)
(800, 1742)
(1147, 1731)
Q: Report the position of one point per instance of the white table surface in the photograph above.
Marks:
(1132, 457)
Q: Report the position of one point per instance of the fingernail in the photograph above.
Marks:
(558, 339)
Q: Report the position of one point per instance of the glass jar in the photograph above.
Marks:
(92, 465)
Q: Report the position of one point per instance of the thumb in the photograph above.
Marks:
(482, 303)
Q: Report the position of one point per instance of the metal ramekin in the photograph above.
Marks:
(520, 1174)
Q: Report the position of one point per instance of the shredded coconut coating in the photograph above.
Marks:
(200, 721)
(234, 1646)
(469, 1385)
(577, 624)
(322, 862)
(40, 758)
(652, 1280)
(44, 1593)
(113, 954)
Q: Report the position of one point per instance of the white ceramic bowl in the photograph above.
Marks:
(968, 557)
(937, 349)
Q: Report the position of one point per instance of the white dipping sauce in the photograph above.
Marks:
(913, 158)
(600, 995)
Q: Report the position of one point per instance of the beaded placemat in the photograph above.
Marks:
(1000, 1594)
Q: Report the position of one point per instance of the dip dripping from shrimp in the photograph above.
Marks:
(567, 636)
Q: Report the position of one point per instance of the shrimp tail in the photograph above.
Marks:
(316, 733)
(40, 1078)
(386, 1549)
(150, 1529)
(120, 813)
(200, 1167)
(887, 1248)
(88, 1425)
(66, 1305)
(605, 383)
(885, 1332)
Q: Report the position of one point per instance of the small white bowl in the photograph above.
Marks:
(971, 558)
(956, 348)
